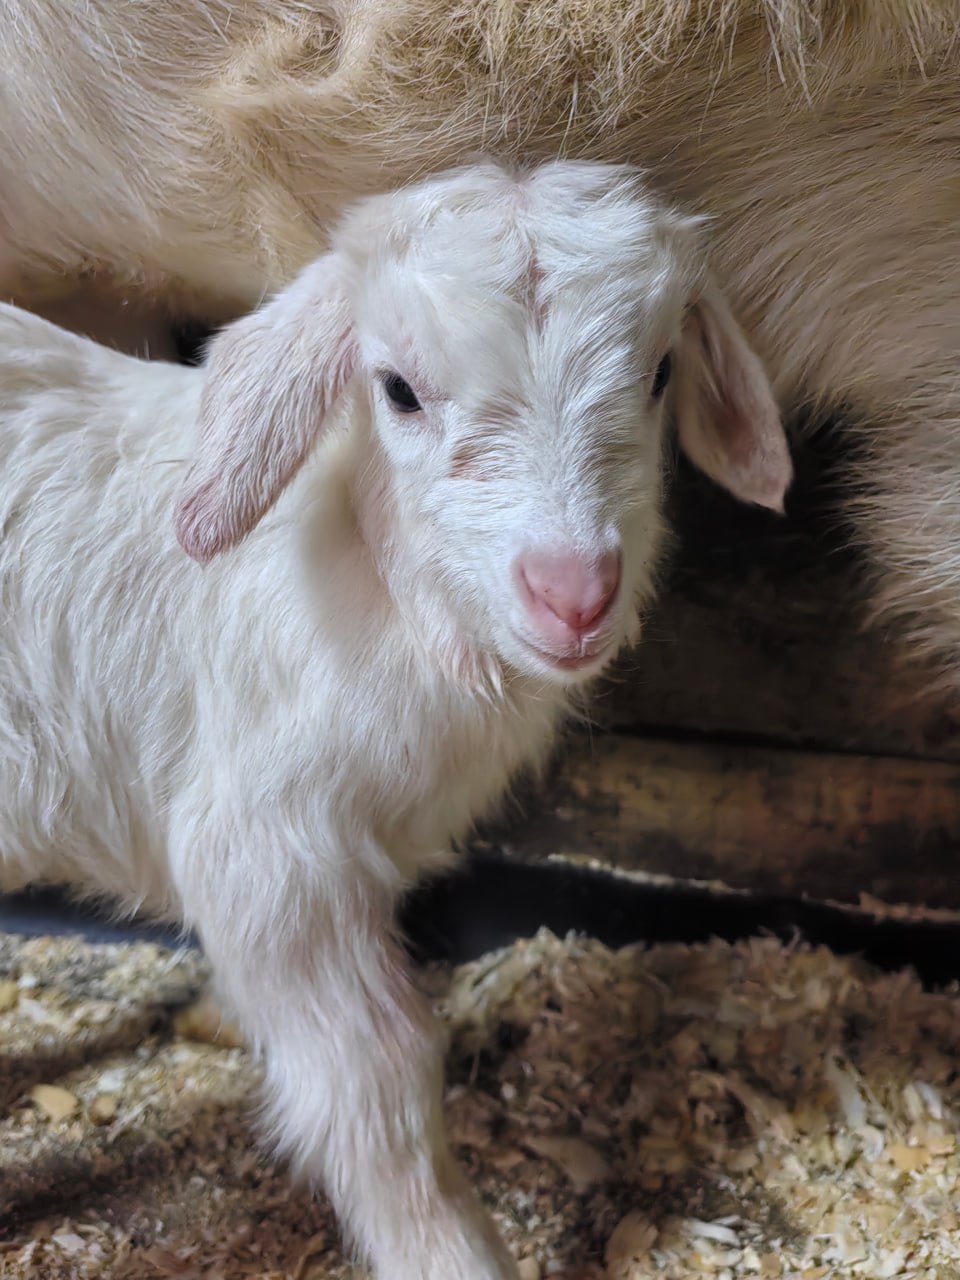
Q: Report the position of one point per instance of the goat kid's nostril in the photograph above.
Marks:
(575, 590)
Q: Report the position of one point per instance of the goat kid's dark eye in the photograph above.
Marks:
(661, 377)
(401, 394)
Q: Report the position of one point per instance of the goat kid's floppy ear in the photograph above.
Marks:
(728, 422)
(271, 379)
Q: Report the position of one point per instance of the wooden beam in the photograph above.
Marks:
(830, 825)
(760, 633)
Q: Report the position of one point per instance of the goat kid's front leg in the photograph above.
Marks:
(353, 1068)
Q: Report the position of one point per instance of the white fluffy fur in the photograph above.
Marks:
(203, 148)
(268, 748)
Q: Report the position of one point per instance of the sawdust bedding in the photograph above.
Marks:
(718, 1110)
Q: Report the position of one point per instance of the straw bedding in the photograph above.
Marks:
(727, 1111)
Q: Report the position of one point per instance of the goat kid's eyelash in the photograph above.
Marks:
(399, 392)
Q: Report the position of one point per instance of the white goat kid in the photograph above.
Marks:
(270, 748)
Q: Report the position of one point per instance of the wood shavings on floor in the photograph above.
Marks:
(677, 1112)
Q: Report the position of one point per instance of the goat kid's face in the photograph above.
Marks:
(511, 343)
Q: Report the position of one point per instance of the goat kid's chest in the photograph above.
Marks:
(445, 765)
(414, 757)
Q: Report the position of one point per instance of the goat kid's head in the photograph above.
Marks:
(514, 339)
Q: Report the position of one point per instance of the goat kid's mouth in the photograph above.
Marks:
(592, 655)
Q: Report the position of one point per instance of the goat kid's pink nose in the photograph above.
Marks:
(572, 588)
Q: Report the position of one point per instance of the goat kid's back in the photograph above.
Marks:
(105, 623)
(96, 608)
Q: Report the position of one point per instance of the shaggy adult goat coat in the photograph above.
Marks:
(387, 624)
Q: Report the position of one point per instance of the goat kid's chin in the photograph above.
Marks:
(573, 662)
(566, 668)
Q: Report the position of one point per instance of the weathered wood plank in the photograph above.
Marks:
(759, 633)
(834, 826)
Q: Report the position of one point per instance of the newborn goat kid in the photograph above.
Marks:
(271, 747)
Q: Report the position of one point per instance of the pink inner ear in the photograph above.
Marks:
(263, 409)
(757, 452)
(739, 424)
(742, 444)
(191, 514)
(198, 526)
(223, 509)
(759, 457)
